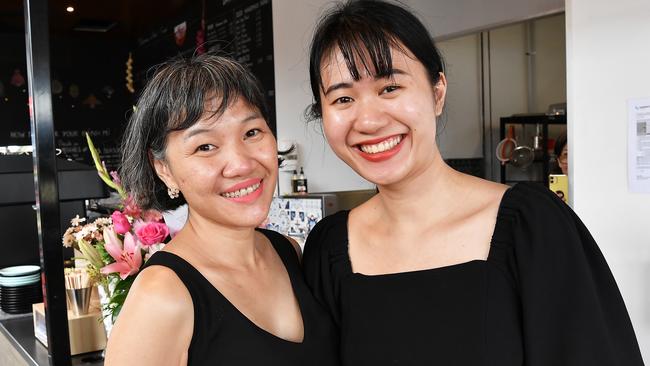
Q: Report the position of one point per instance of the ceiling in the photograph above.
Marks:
(114, 19)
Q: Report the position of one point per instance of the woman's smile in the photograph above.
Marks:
(245, 192)
(380, 149)
(233, 168)
(383, 126)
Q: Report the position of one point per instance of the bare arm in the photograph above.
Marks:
(156, 323)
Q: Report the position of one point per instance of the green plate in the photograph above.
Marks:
(17, 271)
(19, 281)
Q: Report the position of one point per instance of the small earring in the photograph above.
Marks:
(173, 192)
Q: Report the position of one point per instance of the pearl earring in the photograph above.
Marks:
(173, 192)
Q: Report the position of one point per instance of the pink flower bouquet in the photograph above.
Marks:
(116, 247)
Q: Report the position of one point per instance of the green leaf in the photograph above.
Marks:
(116, 311)
(124, 285)
(101, 169)
(106, 258)
(94, 153)
(118, 299)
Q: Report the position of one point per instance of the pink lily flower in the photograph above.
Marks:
(128, 257)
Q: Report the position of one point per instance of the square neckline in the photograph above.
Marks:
(447, 267)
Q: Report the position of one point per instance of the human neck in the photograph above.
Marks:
(425, 197)
(233, 247)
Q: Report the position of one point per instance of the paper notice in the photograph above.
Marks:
(639, 145)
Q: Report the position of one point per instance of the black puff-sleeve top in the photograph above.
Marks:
(544, 297)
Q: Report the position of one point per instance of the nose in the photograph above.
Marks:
(239, 161)
(370, 117)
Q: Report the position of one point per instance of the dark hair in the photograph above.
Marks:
(365, 30)
(560, 143)
(173, 100)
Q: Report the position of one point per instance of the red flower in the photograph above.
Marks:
(120, 223)
(151, 233)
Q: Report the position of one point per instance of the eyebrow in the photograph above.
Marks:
(338, 86)
(347, 85)
(198, 131)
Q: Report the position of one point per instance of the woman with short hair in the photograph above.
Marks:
(221, 292)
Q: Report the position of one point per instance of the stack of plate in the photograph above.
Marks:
(20, 287)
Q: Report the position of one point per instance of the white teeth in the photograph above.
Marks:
(382, 146)
(242, 192)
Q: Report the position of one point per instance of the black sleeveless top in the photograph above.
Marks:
(223, 336)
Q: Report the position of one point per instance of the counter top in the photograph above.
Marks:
(5, 316)
(18, 346)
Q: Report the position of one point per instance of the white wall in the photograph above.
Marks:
(607, 63)
(508, 89)
(549, 71)
(293, 23)
(448, 19)
(460, 135)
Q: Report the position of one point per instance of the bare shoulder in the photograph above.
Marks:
(158, 305)
(476, 223)
(159, 283)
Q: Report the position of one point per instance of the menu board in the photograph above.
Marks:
(87, 96)
(240, 29)
(73, 145)
(244, 31)
(88, 81)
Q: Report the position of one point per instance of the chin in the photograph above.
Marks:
(245, 220)
(243, 217)
(382, 176)
(256, 219)
(251, 215)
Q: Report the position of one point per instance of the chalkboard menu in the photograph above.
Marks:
(246, 33)
(240, 29)
(88, 96)
(88, 88)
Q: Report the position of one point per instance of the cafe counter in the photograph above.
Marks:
(19, 346)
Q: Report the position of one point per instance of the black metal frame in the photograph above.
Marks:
(530, 120)
(45, 179)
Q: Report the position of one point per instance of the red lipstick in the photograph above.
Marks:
(381, 156)
(245, 184)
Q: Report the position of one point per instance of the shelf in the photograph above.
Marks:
(543, 121)
(535, 119)
(523, 180)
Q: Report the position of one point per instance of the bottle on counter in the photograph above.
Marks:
(301, 183)
(294, 182)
